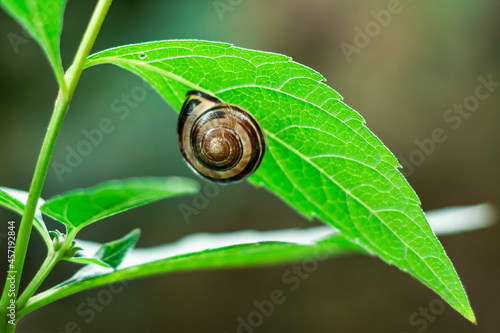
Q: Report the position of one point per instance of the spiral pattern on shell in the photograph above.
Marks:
(221, 142)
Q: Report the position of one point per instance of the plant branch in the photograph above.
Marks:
(73, 73)
(60, 110)
(47, 265)
(52, 259)
(34, 194)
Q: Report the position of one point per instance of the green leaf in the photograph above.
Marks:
(15, 200)
(87, 261)
(146, 262)
(79, 208)
(242, 249)
(111, 254)
(321, 158)
(43, 19)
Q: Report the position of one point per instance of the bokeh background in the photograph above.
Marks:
(427, 59)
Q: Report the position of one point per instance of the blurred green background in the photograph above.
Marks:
(427, 59)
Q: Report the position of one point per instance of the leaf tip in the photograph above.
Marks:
(470, 316)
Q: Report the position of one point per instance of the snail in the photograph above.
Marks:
(221, 142)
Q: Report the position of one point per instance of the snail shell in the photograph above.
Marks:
(221, 142)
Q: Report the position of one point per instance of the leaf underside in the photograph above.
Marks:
(87, 261)
(237, 249)
(321, 159)
(43, 20)
(242, 255)
(15, 200)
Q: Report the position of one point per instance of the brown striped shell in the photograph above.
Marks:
(221, 142)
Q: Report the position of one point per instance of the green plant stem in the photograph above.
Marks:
(34, 194)
(3, 321)
(73, 74)
(50, 261)
(10, 328)
(60, 110)
(47, 265)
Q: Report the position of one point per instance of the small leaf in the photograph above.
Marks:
(110, 255)
(320, 158)
(15, 200)
(43, 19)
(79, 208)
(114, 252)
(58, 239)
